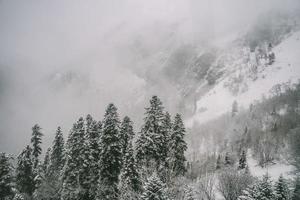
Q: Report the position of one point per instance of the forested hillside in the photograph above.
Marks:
(108, 159)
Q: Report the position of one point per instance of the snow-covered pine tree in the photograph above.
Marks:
(6, 177)
(265, 189)
(149, 143)
(177, 147)
(126, 133)
(243, 160)
(249, 193)
(24, 172)
(296, 192)
(110, 156)
(88, 161)
(261, 190)
(57, 153)
(36, 141)
(164, 167)
(71, 188)
(90, 174)
(281, 189)
(154, 189)
(95, 151)
(51, 184)
(46, 161)
(130, 179)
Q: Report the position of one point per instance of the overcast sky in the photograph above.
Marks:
(63, 59)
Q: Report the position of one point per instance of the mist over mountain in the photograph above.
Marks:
(60, 60)
(162, 99)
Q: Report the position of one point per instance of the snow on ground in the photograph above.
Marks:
(286, 68)
(274, 171)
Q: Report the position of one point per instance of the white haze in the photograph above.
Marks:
(60, 60)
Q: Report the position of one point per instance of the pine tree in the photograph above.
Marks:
(249, 193)
(261, 190)
(90, 175)
(281, 189)
(24, 172)
(150, 140)
(111, 156)
(265, 189)
(46, 161)
(36, 141)
(296, 192)
(243, 161)
(85, 171)
(130, 179)
(154, 189)
(71, 188)
(51, 184)
(6, 178)
(164, 167)
(126, 133)
(95, 151)
(178, 146)
(57, 153)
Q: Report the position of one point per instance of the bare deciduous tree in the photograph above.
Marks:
(231, 183)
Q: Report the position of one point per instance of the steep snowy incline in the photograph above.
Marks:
(286, 68)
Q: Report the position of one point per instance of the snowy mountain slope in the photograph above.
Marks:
(274, 171)
(219, 99)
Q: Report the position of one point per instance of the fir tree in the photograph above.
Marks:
(95, 151)
(243, 160)
(71, 188)
(150, 140)
(260, 190)
(265, 189)
(154, 189)
(178, 146)
(36, 141)
(24, 172)
(281, 189)
(126, 133)
(249, 193)
(51, 184)
(6, 178)
(130, 179)
(57, 153)
(296, 192)
(46, 161)
(85, 171)
(110, 157)
(90, 175)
